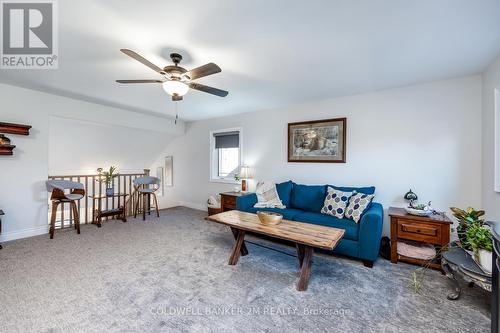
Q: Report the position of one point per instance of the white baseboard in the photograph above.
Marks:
(194, 205)
(24, 233)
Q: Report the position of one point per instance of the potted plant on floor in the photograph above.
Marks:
(478, 237)
(107, 178)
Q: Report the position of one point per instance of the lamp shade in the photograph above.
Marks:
(175, 88)
(245, 172)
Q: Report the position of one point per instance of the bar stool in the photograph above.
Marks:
(142, 187)
(58, 196)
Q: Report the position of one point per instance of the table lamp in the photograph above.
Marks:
(244, 175)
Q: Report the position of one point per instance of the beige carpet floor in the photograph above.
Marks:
(171, 275)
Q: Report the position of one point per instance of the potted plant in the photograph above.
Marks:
(466, 218)
(478, 237)
(107, 177)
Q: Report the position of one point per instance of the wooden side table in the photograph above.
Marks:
(98, 213)
(228, 200)
(434, 230)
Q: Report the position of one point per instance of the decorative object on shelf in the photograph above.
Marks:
(269, 218)
(410, 196)
(465, 219)
(14, 128)
(244, 175)
(107, 177)
(5, 145)
(169, 171)
(419, 209)
(317, 141)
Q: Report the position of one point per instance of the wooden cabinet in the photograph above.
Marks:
(228, 200)
(434, 230)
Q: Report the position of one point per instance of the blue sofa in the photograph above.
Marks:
(304, 202)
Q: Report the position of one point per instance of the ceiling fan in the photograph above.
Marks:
(177, 80)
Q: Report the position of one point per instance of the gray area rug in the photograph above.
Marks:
(171, 275)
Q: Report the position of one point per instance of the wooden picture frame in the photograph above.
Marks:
(317, 141)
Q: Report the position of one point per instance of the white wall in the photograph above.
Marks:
(491, 199)
(92, 145)
(23, 196)
(426, 137)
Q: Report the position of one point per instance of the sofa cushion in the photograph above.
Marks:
(335, 202)
(364, 190)
(351, 228)
(284, 192)
(288, 213)
(358, 204)
(308, 197)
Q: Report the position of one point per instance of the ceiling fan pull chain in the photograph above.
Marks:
(176, 113)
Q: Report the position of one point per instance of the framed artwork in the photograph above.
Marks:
(169, 171)
(317, 141)
(159, 174)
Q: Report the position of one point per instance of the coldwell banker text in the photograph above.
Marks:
(29, 34)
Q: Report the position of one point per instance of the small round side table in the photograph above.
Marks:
(459, 265)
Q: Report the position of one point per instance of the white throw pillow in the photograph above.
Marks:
(357, 206)
(336, 202)
(267, 195)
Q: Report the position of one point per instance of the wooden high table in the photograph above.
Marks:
(98, 212)
(306, 236)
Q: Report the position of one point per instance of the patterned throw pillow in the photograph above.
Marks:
(358, 203)
(336, 202)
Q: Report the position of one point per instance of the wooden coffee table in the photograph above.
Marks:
(305, 235)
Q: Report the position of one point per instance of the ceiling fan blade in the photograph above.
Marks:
(202, 71)
(142, 60)
(207, 89)
(139, 81)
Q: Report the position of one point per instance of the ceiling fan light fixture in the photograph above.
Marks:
(175, 88)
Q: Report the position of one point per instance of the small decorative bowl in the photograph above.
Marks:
(418, 212)
(269, 218)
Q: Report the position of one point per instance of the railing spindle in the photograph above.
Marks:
(86, 200)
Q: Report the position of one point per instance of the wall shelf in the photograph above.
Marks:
(7, 149)
(14, 128)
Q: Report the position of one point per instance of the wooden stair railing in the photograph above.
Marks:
(123, 183)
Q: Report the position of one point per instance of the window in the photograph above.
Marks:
(225, 152)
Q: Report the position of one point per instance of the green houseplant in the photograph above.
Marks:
(478, 237)
(107, 178)
(473, 236)
(466, 217)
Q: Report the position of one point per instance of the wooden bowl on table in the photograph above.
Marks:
(269, 218)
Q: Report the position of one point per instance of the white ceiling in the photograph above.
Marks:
(272, 53)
